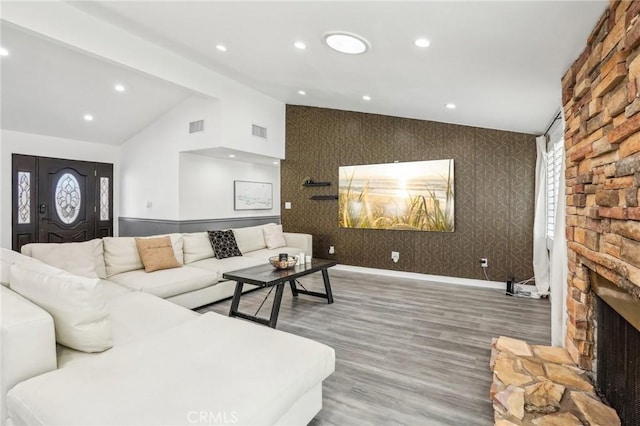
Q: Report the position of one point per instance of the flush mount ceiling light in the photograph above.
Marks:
(221, 47)
(4, 52)
(302, 92)
(119, 88)
(422, 42)
(450, 106)
(88, 117)
(351, 44)
(300, 45)
(366, 97)
(232, 156)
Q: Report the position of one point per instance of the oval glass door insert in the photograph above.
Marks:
(68, 198)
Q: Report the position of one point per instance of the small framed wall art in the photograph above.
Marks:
(252, 195)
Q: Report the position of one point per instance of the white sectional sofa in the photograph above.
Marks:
(198, 282)
(165, 365)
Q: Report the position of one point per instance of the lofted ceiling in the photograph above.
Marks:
(499, 62)
(48, 88)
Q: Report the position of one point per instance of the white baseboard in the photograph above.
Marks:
(424, 277)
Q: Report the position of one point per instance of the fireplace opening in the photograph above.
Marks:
(617, 325)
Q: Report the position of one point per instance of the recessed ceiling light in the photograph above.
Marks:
(4, 52)
(302, 92)
(422, 42)
(88, 117)
(450, 106)
(275, 163)
(119, 88)
(221, 47)
(300, 45)
(366, 97)
(348, 43)
(232, 156)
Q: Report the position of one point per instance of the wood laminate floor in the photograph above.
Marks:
(407, 352)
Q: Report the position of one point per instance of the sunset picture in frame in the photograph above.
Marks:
(414, 196)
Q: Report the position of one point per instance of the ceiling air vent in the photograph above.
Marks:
(259, 131)
(196, 126)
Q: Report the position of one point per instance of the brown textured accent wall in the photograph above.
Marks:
(600, 93)
(494, 191)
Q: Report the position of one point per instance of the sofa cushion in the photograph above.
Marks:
(121, 253)
(156, 253)
(28, 342)
(85, 259)
(265, 254)
(167, 282)
(111, 290)
(224, 244)
(197, 246)
(76, 303)
(229, 264)
(212, 364)
(134, 316)
(8, 258)
(250, 238)
(274, 237)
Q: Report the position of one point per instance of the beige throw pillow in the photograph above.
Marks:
(121, 253)
(156, 253)
(274, 237)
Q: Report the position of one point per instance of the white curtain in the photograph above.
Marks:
(558, 255)
(540, 251)
(559, 269)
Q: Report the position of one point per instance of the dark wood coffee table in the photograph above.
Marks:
(268, 276)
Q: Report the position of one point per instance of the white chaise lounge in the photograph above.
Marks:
(167, 364)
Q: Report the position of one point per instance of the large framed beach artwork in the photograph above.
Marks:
(414, 196)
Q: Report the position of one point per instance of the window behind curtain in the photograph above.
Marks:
(555, 152)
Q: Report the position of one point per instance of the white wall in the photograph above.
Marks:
(239, 106)
(150, 160)
(184, 186)
(240, 112)
(206, 186)
(46, 146)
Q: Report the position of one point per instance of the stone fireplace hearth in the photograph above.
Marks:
(541, 385)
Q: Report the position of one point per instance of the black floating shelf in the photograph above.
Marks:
(316, 184)
(323, 197)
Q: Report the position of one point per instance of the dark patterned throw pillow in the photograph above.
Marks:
(224, 244)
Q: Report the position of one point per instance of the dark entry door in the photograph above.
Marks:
(57, 200)
(66, 201)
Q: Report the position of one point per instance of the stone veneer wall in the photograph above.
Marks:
(602, 140)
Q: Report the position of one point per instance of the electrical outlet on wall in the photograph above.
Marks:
(332, 250)
(484, 262)
(395, 256)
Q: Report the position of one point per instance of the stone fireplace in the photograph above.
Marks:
(601, 105)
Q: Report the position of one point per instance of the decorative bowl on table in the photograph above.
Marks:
(290, 262)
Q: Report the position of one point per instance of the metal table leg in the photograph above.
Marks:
(327, 285)
(236, 299)
(276, 306)
(294, 289)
